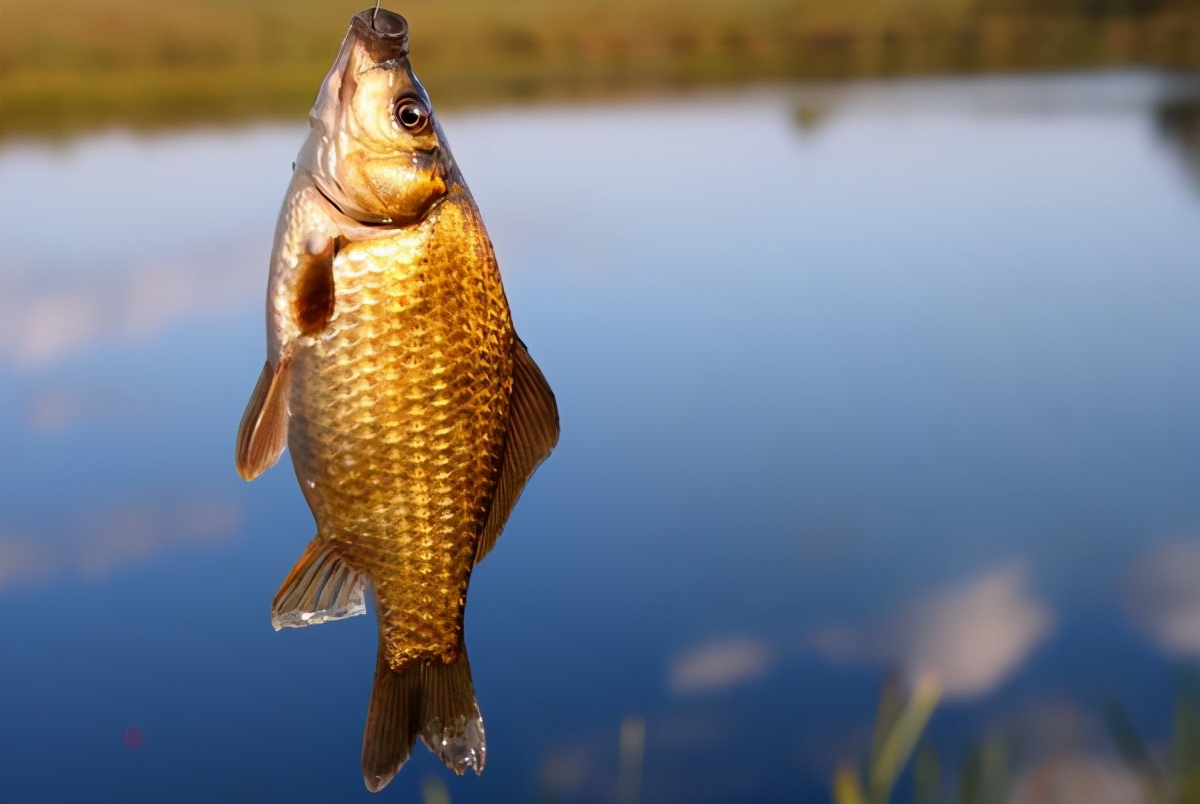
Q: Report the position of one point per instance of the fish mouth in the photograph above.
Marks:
(383, 33)
(388, 23)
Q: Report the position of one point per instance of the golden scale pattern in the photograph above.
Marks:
(399, 409)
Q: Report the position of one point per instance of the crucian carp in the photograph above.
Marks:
(413, 413)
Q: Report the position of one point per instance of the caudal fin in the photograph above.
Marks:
(433, 700)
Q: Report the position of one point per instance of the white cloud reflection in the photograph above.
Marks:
(565, 771)
(96, 545)
(183, 228)
(1077, 780)
(969, 637)
(55, 411)
(1164, 596)
(23, 560)
(720, 664)
(41, 322)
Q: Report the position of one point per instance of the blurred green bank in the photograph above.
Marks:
(78, 64)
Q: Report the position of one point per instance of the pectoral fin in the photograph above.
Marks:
(314, 300)
(262, 435)
(532, 434)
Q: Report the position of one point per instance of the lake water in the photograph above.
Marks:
(854, 379)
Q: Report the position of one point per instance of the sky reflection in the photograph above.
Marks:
(95, 544)
(1164, 596)
(918, 377)
(719, 664)
(968, 638)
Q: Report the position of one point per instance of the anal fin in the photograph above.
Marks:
(320, 588)
(262, 434)
(532, 434)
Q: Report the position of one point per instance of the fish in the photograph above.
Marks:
(413, 413)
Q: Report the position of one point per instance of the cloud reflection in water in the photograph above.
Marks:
(719, 664)
(40, 324)
(184, 229)
(1077, 779)
(99, 543)
(969, 637)
(1164, 596)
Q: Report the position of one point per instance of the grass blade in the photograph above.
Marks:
(900, 742)
(1133, 751)
(1187, 744)
(846, 787)
(927, 775)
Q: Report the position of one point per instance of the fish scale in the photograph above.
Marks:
(397, 444)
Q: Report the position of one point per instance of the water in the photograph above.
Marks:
(852, 379)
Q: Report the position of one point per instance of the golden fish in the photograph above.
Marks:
(413, 411)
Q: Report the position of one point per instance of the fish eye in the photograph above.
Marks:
(411, 116)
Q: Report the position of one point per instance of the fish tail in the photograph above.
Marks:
(430, 699)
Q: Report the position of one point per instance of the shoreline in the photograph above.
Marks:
(153, 65)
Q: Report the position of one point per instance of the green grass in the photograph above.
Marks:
(84, 63)
(986, 772)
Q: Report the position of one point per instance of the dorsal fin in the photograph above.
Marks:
(532, 434)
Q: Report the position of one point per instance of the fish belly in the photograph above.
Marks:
(398, 415)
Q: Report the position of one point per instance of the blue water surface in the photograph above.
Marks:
(855, 380)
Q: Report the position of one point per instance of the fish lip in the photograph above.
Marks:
(389, 23)
(384, 33)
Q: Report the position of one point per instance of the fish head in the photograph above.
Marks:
(375, 150)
